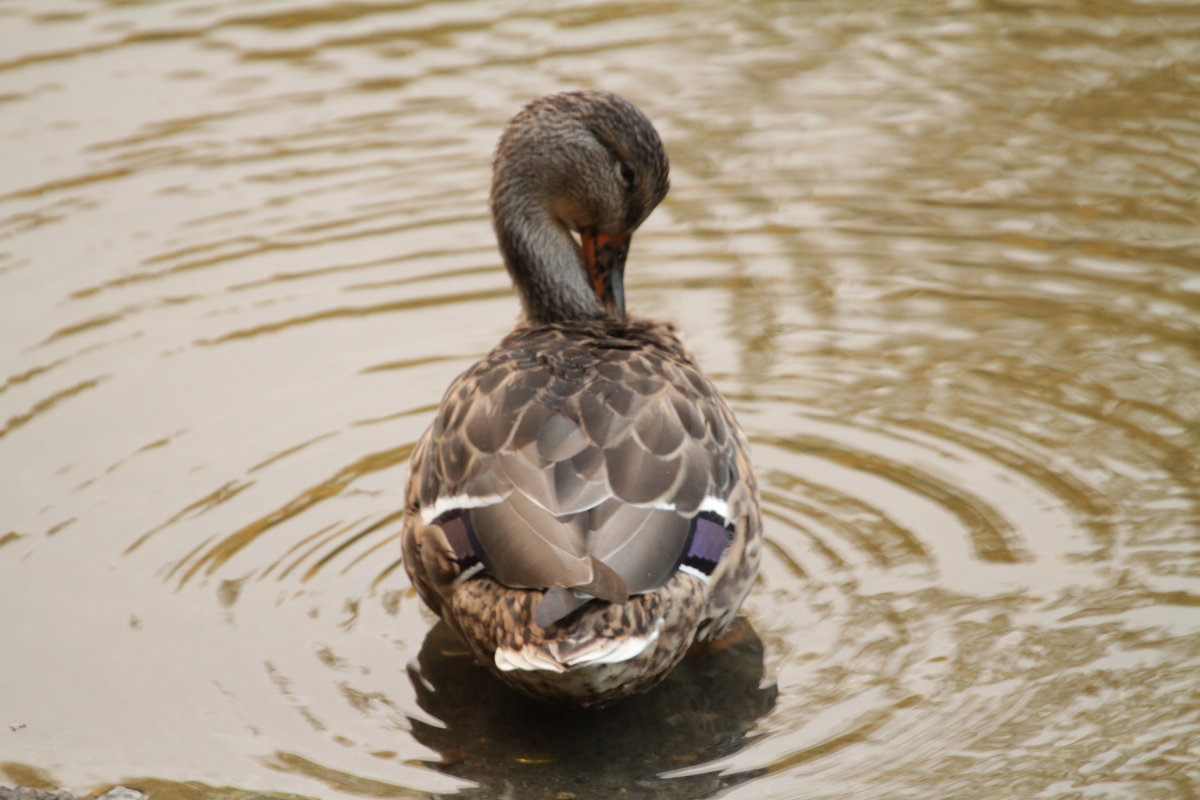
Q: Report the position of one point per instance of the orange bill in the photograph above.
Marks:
(604, 254)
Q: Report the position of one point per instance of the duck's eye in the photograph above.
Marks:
(627, 174)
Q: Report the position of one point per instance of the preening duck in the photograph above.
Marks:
(583, 507)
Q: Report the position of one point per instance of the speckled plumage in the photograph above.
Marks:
(583, 506)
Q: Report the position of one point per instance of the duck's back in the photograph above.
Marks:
(592, 459)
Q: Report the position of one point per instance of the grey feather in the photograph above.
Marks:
(579, 451)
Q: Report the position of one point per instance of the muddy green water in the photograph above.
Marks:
(943, 257)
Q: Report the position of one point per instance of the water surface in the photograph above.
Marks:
(943, 258)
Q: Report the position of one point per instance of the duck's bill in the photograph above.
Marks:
(604, 254)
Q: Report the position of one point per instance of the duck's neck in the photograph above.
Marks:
(545, 263)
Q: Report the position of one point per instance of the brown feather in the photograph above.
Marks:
(567, 451)
(572, 460)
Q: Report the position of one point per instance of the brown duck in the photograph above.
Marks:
(583, 507)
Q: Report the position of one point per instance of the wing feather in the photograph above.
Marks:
(641, 544)
(600, 451)
(523, 546)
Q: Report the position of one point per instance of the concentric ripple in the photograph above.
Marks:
(941, 258)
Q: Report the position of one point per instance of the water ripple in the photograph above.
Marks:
(941, 259)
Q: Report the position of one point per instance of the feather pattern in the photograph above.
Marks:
(583, 506)
(579, 474)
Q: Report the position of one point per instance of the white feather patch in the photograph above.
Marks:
(613, 651)
(714, 504)
(467, 574)
(527, 658)
(452, 502)
(599, 651)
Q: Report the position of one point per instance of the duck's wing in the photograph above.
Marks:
(591, 466)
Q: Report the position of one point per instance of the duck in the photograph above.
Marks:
(583, 509)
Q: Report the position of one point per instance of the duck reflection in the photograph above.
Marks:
(516, 747)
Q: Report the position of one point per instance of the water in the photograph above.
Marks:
(943, 258)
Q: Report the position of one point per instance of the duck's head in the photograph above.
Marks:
(588, 163)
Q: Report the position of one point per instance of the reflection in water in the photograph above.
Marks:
(491, 735)
(941, 257)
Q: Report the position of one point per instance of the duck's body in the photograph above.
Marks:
(583, 507)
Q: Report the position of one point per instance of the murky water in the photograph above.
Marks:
(943, 257)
